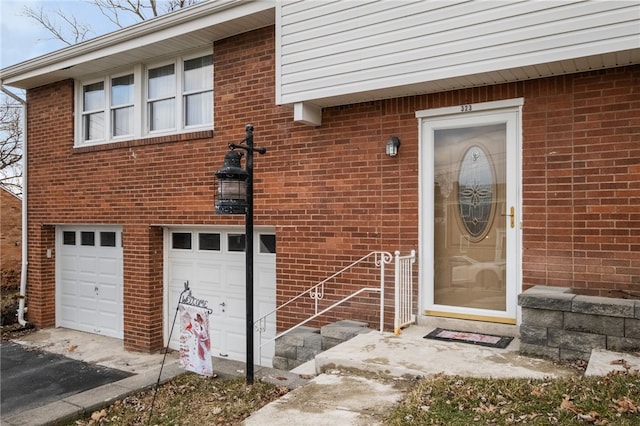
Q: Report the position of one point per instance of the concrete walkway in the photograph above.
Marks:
(361, 380)
(108, 352)
(354, 383)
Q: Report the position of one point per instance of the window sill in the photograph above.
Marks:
(182, 137)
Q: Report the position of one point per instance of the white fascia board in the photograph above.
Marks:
(193, 18)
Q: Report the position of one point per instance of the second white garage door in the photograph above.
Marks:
(212, 261)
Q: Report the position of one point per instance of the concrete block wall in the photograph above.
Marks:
(561, 325)
(304, 343)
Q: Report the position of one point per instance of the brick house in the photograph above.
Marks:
(10, 237)
(518, 163)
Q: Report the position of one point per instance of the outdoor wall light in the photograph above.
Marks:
(392, 146)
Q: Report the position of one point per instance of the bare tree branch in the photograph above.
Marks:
(78, 29)
(65, 27)
(11, 145)
(45, 21)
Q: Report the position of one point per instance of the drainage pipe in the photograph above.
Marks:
(23, 272)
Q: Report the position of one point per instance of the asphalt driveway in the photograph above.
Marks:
(32, 378)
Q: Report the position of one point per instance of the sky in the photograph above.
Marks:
(22, 38)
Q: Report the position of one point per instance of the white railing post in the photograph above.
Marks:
(403, 291)
(381, 297)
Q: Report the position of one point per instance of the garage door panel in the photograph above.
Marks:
(265, 280)
(234, 277)
(211, 275)
(68, 262)
(106, 321)
(236, 307)
(86, 289)
(87, 315)
(109, 296)
(108, 267)
(181, 271)
(87, 264)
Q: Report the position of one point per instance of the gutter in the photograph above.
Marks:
(23, 272)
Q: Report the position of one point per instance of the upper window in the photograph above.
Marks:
(122, 106)
(93, 111)
(198, 91)
(160, 99)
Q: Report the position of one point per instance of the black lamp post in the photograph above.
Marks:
(235, 196)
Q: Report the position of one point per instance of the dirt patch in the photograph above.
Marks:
(9, 301)
(9, 325)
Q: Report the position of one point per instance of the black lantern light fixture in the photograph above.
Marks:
(235, 196)
(392, 146)
(232, 185)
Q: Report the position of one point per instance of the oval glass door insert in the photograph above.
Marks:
(476, 192)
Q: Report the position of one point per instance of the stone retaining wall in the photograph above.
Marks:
(561, 325)
(304, 343)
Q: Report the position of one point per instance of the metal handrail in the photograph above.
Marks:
(317, 293)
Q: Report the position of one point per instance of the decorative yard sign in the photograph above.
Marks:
(195, 342)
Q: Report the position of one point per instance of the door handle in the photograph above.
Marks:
(223, 304)
(512, 215)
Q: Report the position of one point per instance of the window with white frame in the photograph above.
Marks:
(93, 99)
(198, 91)
(150, 100)
(122, 105)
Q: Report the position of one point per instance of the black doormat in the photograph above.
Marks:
(480, 339)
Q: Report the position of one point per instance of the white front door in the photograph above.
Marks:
(212, 262)
(469, 211)
(89, 279)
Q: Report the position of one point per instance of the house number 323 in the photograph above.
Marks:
(465, 108)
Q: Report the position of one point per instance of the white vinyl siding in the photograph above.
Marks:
(332, 49)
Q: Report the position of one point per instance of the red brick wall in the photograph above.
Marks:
(10, 239)
(40, 298)
(581, 183)
(331, 192)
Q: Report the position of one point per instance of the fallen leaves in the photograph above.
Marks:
(592, 417)
(189, 399)
(568, 405)
(624, 405)
(607, 400)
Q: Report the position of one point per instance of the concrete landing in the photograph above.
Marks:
(360, 380)
(602, 362)
(411, 355)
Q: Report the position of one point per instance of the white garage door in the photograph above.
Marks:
(212, 261)
(89, 279)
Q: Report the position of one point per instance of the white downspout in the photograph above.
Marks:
(23, 273)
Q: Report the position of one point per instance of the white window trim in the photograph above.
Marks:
(141, 124)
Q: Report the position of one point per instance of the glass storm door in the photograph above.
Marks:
(469, 214)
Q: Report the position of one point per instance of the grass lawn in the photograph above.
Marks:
(447, 400)
(189, 400)
(437, 400)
